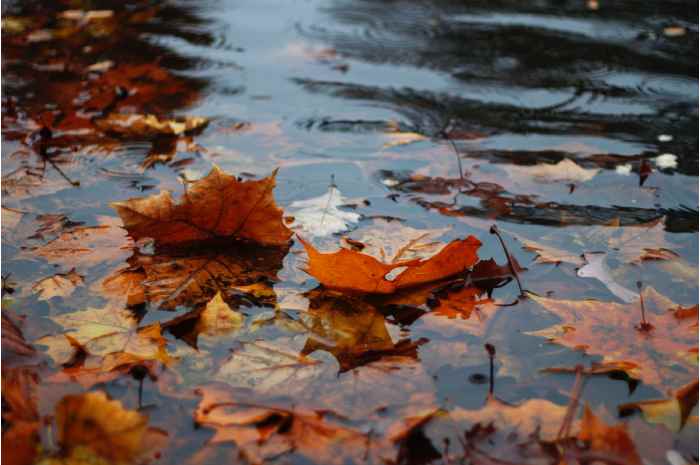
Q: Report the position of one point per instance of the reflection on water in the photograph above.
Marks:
(569, 124)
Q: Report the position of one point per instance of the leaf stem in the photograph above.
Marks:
(491, 350)
(494, 230)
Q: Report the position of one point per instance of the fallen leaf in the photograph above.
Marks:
(218, 319)
(83, 247)
(355, 271)
(111, 333)
(353, 331)
(613, 331)
(135, 125)
(13, 342)
(609, 440)
(672, 412)
(320, 216)
(564, 171)
(392, 242)
(263, 432)
(103, 425)
(277, 370)
(193, 276)
(216, 207)
(58, 285)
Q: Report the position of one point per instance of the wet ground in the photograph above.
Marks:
(388, 101)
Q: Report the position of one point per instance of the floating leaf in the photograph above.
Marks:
(218, 206)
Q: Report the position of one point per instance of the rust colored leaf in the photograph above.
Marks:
(136, 125)
(614, 331)
(608, 440)
(356, 271)
(216, 206)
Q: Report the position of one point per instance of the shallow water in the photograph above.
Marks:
(320, 90)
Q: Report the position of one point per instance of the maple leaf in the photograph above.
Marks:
(111, 333)
(614, 331)
(278, 370)
(58, 285)
(320, 216)
(193, 276)
(631, 243)
(672, 412)
(263, 431)
(607, 440)
(218, 206)
(355, 271)
(13, 342)
(86, 246)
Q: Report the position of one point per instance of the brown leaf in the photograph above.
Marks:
(265, 431)
(135, 125)
(217, 206)
(193, 276)
(614, 331)
(356, 271)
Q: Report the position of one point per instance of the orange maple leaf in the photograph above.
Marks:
(355, 271)
(218, 206)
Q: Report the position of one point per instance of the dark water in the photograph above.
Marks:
(316, 89)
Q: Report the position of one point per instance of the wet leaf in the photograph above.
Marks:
(320, 216)
(264, 432)
(58, 285)
(356, 271)
(102, 425)
(615, 332)
(215, 207)
(111, 333)
(135, 125)
(274, 370)
(672, 412)
(608, 440)
(564, 171)
(218, 319)
(193, 276)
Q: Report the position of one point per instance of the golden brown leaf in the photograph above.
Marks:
(136, 125)
(218, 206)
(103, 425)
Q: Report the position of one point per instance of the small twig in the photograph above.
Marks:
(573, 403)
(491, 350)
(331, 186)
(644, 325)
(494, 230)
